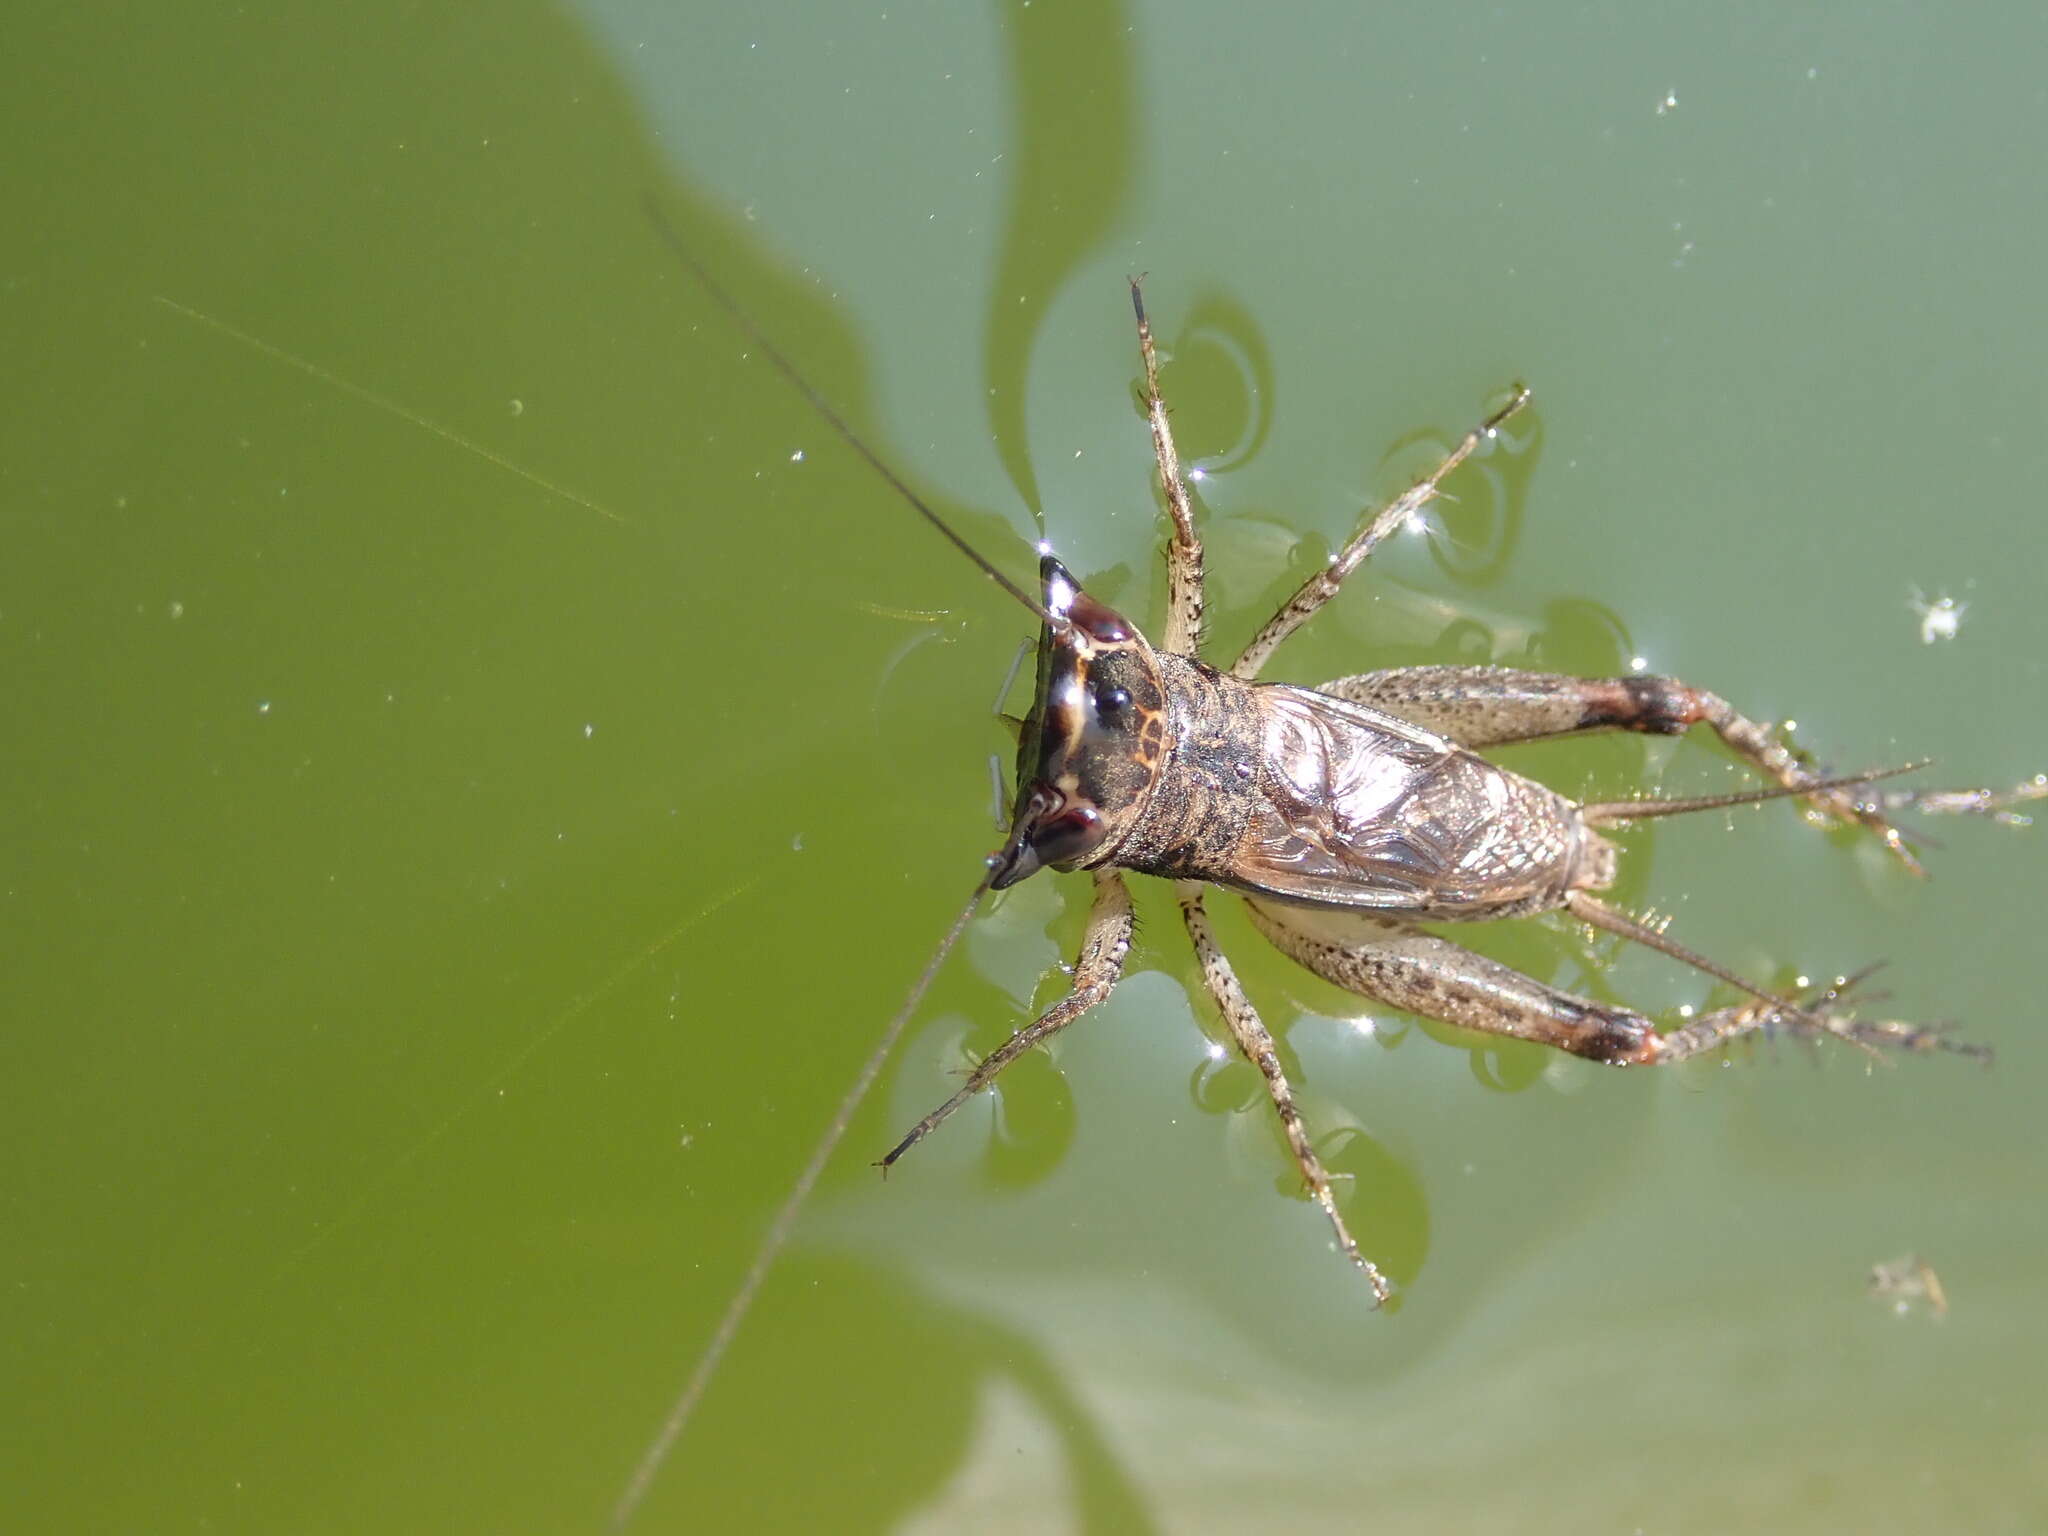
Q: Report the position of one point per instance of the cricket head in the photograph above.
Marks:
(1091, 749)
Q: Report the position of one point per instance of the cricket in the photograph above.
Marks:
(1346, 816)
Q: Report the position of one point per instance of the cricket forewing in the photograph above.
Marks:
(1291, 794)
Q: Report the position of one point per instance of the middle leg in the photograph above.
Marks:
(1256, 1042)
(1183, 634)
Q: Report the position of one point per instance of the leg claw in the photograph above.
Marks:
(1830, 1011)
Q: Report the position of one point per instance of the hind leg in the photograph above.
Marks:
(1489, 706)
(1404, 967)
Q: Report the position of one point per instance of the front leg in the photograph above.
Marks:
(1096, 972)
(1184, 584)
(1490, 706)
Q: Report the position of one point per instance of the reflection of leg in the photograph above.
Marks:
(1322, 586)
(1184, 548)
(1101, 962)
(1999, 804)
(1406, 968)
(1252, 1039)
(1485, 706)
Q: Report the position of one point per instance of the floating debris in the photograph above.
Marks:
(1907, 1281)
(1940, 618)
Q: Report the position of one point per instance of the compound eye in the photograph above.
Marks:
(1111, 704)
(1071, 835)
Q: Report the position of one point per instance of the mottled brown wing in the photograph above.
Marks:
(1364, 810)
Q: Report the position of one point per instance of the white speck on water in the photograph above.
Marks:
(796, 844)
(589, 730)
(797, 457)
(1215, 1050)
(1813, 72)
(1939, 618)
(177, 609)
(1685, 1010)
(1668, 105)
(517, 407)
(1638, 664)
(1197, 474)
(263, 706)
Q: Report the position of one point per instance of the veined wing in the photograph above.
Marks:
(1368, 811)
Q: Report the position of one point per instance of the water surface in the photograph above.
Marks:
(484, 763)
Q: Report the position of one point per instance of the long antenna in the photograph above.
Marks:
(824, 408)
(777, 1235)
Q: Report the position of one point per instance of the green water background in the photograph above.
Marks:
(481, 762)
